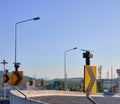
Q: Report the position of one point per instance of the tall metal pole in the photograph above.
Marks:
(65, 73)
(4, 63)
(16, 64)
(108, 81)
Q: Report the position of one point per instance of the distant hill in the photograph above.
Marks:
(69, 79)
(75, 79)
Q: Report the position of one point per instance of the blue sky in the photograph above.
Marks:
(64, 24)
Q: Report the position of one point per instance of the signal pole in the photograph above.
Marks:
(87, 55)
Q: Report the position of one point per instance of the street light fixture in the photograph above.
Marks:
(16, 64)
(65, 73)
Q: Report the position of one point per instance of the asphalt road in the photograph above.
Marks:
(77, 100)
(2, 101)
(63, 99)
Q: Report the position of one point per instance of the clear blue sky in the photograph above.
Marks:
(64, 24)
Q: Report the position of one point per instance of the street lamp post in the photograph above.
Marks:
(65, 73)
(16, 64)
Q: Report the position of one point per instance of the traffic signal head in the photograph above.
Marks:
(16, 65)
(87, 55)
(6, 71)
(90, 55)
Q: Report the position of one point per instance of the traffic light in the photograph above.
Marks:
(87, 55)
(16, 65)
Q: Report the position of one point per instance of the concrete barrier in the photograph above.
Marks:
(26, 96)
(17, 98)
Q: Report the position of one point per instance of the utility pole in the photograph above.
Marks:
(108, 81)
(111, 72)
(5, 72)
